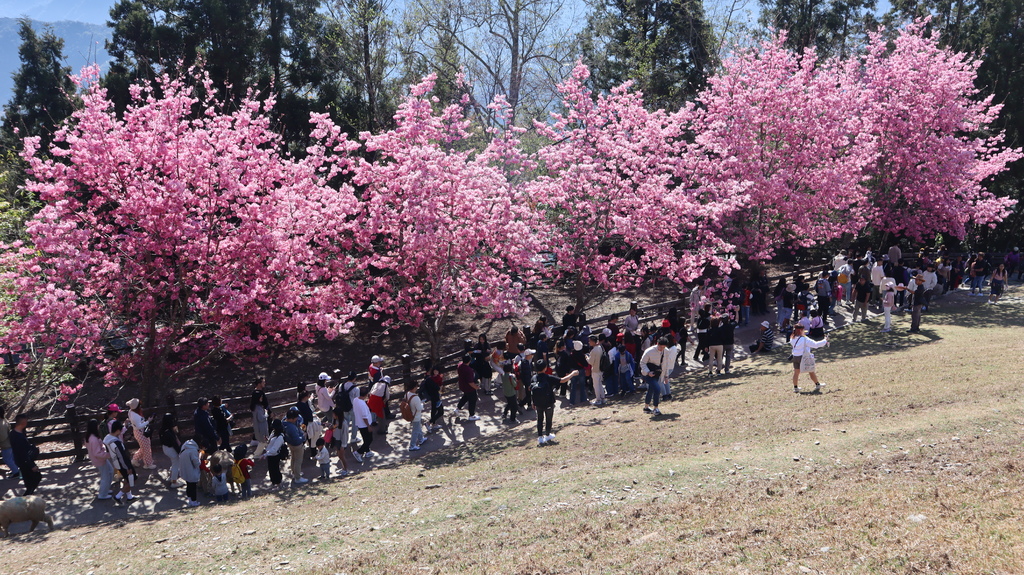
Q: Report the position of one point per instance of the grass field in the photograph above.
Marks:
(908, 463)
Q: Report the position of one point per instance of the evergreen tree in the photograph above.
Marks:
(44, 96)
(832, 27)
(43, 90)
(666, 46)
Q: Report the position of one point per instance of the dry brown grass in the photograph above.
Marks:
(908, 464)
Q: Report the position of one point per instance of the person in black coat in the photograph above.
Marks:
(221, 422)
(25, 454)
(206, 433)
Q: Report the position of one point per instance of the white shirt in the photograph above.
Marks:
(877, 274)
(655, 356)
(361, 412)
(594, 357)
(804, 344)
(930, 280)
(838, 262)
(631, 324)
(138, 422)
(323, 398)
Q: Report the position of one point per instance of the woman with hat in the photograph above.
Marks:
(142, 432)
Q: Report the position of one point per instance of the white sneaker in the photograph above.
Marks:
(357, 456)
(542, 440)
(369, 454)
(414, 448)
(422, 441)
(550, 437)
(301, 481)
(474, 418)
(193, 504)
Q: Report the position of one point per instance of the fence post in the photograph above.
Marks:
(76, 437)
(406, 368)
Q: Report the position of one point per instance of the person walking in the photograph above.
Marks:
(189, 468)
(171, 445)
(296, 439)
(888, 301)
(25, 454)
(431, 390)
(803, 357)
(121, 461)
(259, 405)
(412, 397)
(100, 458)
(543, 392)
(274, 453)
(999, 278)
(143, 433)
(468, 386)
(5, 445)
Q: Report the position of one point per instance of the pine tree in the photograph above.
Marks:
(43, 89)
(665, 46)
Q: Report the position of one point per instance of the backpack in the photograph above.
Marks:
(606, 362)
(342, 399)
(405, 408)
(236, 474)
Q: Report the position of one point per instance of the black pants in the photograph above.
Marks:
(511, 407)
(436, 412)
(32, 478)
(192, 490)
(544, 415)
(702, 347)
(274, 467)
(470, 398)
(824, 302)
(367, 438)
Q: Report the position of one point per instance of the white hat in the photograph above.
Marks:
(607, 332)
(133, 403)
(577, 345)
(529, 352)
(765, 324)
(386, 379)
(324, 376)
(376, 359)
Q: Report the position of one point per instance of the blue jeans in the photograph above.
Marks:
(744, 314)
(8, 455)
(625, 382)
(578, 390)
(784, 313)
(653, 390)
(978, 283)
(417, 432)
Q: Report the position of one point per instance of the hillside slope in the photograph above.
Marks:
(909, 462)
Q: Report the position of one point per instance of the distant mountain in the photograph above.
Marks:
(83, 44)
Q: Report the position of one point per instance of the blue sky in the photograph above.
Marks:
(91, 11)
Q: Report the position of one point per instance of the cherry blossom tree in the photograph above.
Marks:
(619, 188)
(180, 230)
(937, 147)
(788, 131)
(441, 229)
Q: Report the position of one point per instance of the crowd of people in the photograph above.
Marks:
(334, 426)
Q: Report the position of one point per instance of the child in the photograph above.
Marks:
(220, 483)
(323, 457)
(332, 438)
(245, 465)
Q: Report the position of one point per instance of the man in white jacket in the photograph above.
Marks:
(653, 368)
(594, 360)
